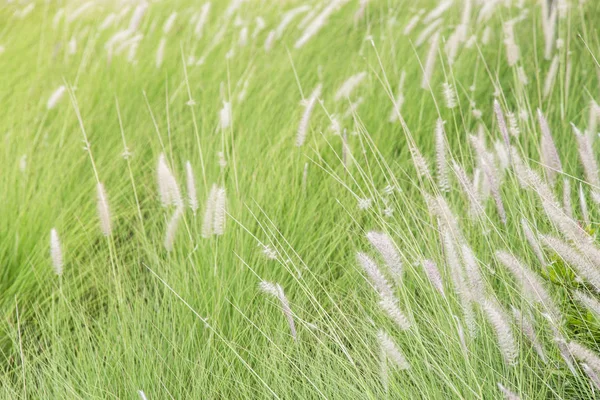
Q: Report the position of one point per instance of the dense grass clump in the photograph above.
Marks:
(299, 199)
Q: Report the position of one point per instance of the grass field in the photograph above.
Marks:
(342, 199)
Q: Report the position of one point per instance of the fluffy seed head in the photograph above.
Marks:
(191, 187)
(103, 210)
(56, 252)
(506, 340)
(167, 184)
(55, 97)
(309, 105)
(387, 249)
(391, 351)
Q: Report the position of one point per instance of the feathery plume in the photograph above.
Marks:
(320, 20)
(288, 17)
(549, 154)
(567, 198)
(79, 11)
(486, 163)
(399, 99)
(512, 49)
(522, 76)
(137, 16)
(548, 27)
(591, 374)
(430, 61)
(461, 336)
(437, 12)
(473, 274)
(208, 223)
(449, 95)
(532, 287)
(160, 52)
(309, 105)
(103, 210)
(486, 35)
(391, 351)
(191, 187)
(167, 184)
(169, 23)
(269, 41)
(587, 157)
(528, 330)
(529, 178)
(412, 23)
(420, 162)
(304, 177)
(508, 395)
(584, 207)
(589, 302)
(533, 242)
(563, 349)
(56, 252)
(172, 228)
(427, 32)
(56, 96)
(513, 124)
(225, 115)
(220, 212)
(502, 156)
(582, 353)
(387, 249)
(349, 85)
(202, 18)
(375, 275)
(390, 306)
(459, 280)
(574, 258)
(440, 147)
(551, 77)
(476, 208)
(440, 208)
(506, 340)
(594, 114)
(501, 123)
(277, 291)
(433, 274)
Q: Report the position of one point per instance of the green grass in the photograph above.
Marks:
(127, 315)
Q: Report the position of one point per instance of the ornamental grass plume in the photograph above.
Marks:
(349, 85)
(103, 210)
(168, 188)
(574, 258)
(309, 105)
(391, 351)
(430, 61)
(433, 274)
(475, 207)
(172, 228)
(56, 252)
(527, 327)
(533, 242)
(532, 286)
(584, 354)
(56, 97)
(548, 152)
(384, 244)
(276, 290)
(441, 153)
(503, 331)
(191, 187)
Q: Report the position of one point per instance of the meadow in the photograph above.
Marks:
(298, 199)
